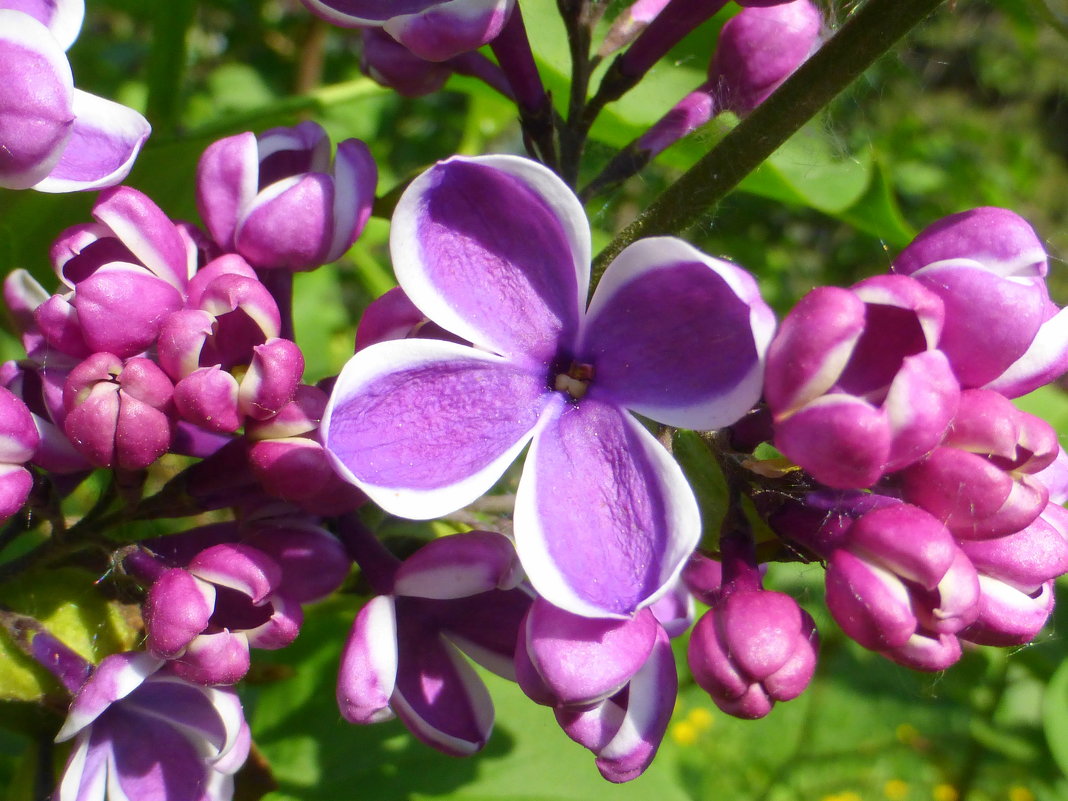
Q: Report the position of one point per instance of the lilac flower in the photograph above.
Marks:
(1002, 331)
(403, 655)
(142, 732)
(612, 683)
(124, 274)
(855, 384)
(205, 616)
(496, 251)
(981, 481)
(432, 29)
(53, 137)
(277, 200)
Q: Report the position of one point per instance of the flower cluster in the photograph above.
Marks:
(168, 357)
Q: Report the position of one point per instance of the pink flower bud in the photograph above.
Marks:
(277, 201)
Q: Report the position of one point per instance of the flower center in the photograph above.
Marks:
(575, 381)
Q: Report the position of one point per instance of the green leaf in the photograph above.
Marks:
(1055, 717)
(706, 479)
(69, 605)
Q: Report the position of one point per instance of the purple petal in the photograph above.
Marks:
(486, 627)
(151, 759)
(248, 570)
(990, 321)
(650, 701)
(495, 250)
(813, 347)
(841, 440)
(36, 96)
(604, 518)
(102, 148)
(85, 775)
(146, 231)
(585, 660)
(677, 336)
(227, 180)
(178, 608)
(63, 18)
(438, 695)
(1045, 360)
(424, 427)
(368, 672)
(219, 658)
(449, 29)
(458, 566)
(920, 405)
(289, 224)
(115, 677)
(355, 178)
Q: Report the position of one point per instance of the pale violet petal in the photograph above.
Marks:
(495, 250)
(604, 518)
(425, 427)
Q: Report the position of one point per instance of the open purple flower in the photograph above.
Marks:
(141, 732)
(496, 251)
(53, 137)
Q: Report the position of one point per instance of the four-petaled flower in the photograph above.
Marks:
(496, 251)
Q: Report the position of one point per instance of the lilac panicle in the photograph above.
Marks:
(53, 137)
(456, 595)
(1002, 331)
(140, 732)
(854, 382)
(278, 201)
(496, 251)
(434, 30)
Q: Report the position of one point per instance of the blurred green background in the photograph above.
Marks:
(971, 110)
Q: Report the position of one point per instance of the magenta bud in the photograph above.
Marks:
(760, 48)
(18, 444)
(271, 380)
(301, 415)
(989, 268)
(277, 200)
(754, 648)
(208, 397)
(854, 384)
(1008, 616)
(118, 414)
(982, 481)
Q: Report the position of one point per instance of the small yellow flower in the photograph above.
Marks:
(700, 718)
(945, 792)
(1017, 793)
(896, 790)
(684, 733)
